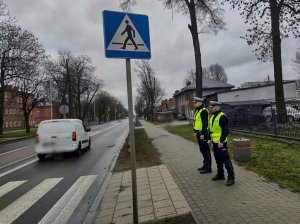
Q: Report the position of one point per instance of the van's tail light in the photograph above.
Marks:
(73, 136)
(37, 138)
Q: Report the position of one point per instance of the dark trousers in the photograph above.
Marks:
(222, 157)
(204, 149)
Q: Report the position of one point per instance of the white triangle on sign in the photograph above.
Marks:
(134, 42)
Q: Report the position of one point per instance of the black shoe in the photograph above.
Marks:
(218, 177)
(200, 168)
(230, 182)
(205, 171)
(136, 48)
(122, 48)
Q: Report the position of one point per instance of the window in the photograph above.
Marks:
(10, 124)
(15, 124)
(7, 111)
(10, 111)
(6, 124)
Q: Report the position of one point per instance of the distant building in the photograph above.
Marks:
(184, 97)
(13, 112)
(166, 111)
(262, 94)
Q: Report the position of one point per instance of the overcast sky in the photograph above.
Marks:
(77, 26)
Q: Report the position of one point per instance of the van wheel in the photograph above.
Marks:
(41, 157)
(89, 146)
(78, 151)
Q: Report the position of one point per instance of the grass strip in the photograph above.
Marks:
(146, 155)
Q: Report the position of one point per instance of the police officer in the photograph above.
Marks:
(201, 133)
(218, 132)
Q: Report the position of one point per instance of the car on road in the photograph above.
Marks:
(292, 113)
(61, 135)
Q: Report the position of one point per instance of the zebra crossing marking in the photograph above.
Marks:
(17, 168)
(64, 208)
(10, 186)
(18, 207)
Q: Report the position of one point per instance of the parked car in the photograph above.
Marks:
(244, 117)
(62, 135)
(292, 113)
(181, 117)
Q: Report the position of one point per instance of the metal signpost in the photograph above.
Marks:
(127, 36)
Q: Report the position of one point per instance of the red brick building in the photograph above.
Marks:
(13, 113)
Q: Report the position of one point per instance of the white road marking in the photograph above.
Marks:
(17, 168)
(105, 129)
(1, 154)
(63, 209)
(10, 186)
(18, 207)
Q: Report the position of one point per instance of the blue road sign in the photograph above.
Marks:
(126, 35)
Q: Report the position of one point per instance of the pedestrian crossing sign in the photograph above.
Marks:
(126, 35)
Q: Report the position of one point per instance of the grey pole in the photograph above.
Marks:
(132, 143)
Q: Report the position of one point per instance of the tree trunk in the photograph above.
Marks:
(194, 31)
(277, 63)
(2, 88)
(27, 126)
(2, 92)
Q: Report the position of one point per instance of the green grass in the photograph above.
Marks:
(146, 155)
(276, 161)
(18, 133)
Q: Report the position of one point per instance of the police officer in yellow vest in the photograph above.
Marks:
(201, 133)
(218, 132)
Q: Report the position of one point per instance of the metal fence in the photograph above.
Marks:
(265, 120)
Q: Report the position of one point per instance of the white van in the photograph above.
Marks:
(62, 135)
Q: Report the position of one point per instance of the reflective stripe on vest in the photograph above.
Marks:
(198, 121)
(215, 129)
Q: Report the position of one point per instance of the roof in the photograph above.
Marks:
(207, 83)
(254, 87)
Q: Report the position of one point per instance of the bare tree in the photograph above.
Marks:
(296, 62)
(206, 14)
(216, 72)
(190, 77)
(149, 87)
(94, 87)
(108, 107)
(140, 105)
(32, 93)
(19, 51)
(270, 21)
(75, 82)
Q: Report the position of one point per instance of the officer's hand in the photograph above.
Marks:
(202, 137)
(220, 145)
(209, 142)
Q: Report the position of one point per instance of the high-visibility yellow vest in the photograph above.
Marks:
(215, 129)
(198, 121)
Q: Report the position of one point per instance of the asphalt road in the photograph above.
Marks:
(61, 189)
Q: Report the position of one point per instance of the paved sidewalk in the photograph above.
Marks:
(158, 197)
(251, 200)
